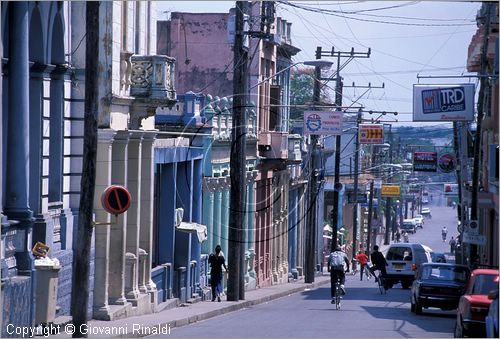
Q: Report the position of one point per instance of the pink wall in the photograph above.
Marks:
(198, 42)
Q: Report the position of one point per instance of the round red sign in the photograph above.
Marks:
(116, 199)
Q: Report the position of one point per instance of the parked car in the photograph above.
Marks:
(438, 285)
(474, 304)
(409, 225)
(419, 220)
(491, 319)
(403, 260)
(438, 257)
(426, 211)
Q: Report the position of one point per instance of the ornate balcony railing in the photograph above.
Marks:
(152, 76)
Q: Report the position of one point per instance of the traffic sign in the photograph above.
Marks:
(474, 239)
(116, 199)
(371, 134)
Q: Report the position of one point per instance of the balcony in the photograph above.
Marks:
(152, 76)
(273, 145)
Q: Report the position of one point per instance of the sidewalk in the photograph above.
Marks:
(162, 322)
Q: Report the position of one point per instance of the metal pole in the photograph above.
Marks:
(238, 157)
(388, 223)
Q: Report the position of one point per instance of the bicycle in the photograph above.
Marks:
(338, 295)
(381, 283)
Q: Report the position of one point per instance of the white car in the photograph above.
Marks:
(419, 220)
(426, 211)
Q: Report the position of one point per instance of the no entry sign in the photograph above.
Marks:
(116, 199)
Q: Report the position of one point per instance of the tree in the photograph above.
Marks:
(301, 92)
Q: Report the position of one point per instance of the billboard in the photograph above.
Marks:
(371, 134)
(447, 162)
(443, 102)
(322, 123)
(425, 161)
(390, 191)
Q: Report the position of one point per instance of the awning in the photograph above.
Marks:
(192, 227)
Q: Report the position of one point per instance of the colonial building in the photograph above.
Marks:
(42, 134)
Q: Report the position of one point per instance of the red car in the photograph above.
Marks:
(473, 305)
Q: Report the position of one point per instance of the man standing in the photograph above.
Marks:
(216, 261)
(336, 262)
(452, 243)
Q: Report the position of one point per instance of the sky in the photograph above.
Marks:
(406, 39)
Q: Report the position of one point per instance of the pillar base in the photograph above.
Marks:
(113, 312)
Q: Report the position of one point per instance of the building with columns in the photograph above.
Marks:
(41, 149)
(133, 83)
(186, 37)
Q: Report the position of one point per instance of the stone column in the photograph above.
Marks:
(225, 216)
(118, 230)
(17, 157)
(134, 213)
(102, 233)
(146, 214)
(208, 214)
(217, 216)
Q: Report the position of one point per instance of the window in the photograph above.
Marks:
(399, 253)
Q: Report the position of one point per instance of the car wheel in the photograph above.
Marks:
(418, 308)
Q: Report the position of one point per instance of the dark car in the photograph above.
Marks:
(438, 285)
(438, 257)
(474, 304)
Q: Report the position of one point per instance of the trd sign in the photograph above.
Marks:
(443, 102)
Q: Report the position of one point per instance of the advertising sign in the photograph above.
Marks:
(371, 134)
(443, 102)
(391, 191)
(474, 239)
(447, 163)
(425, 161)
(322, 123)
(450, 189)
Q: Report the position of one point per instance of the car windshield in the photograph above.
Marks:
(458, 274)
(485, 283)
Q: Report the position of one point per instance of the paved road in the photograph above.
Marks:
(365, 313)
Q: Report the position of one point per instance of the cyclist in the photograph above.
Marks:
(379, 263)
(336, 262)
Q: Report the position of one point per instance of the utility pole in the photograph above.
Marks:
(338, 139)
(370, 216)
(356, 177)
(81, 262)
(238, 159)
(473, 255)
(388, 222)
(310, 250)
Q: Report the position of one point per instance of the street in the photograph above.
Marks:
(365, 312)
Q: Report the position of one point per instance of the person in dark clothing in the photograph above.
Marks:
(379, 262)
(216, 261)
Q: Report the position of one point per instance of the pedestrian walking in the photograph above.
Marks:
(362, 258)
(444, 233)
(453, 244)
(216, 261)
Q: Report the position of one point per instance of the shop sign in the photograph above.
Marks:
(425, 161)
